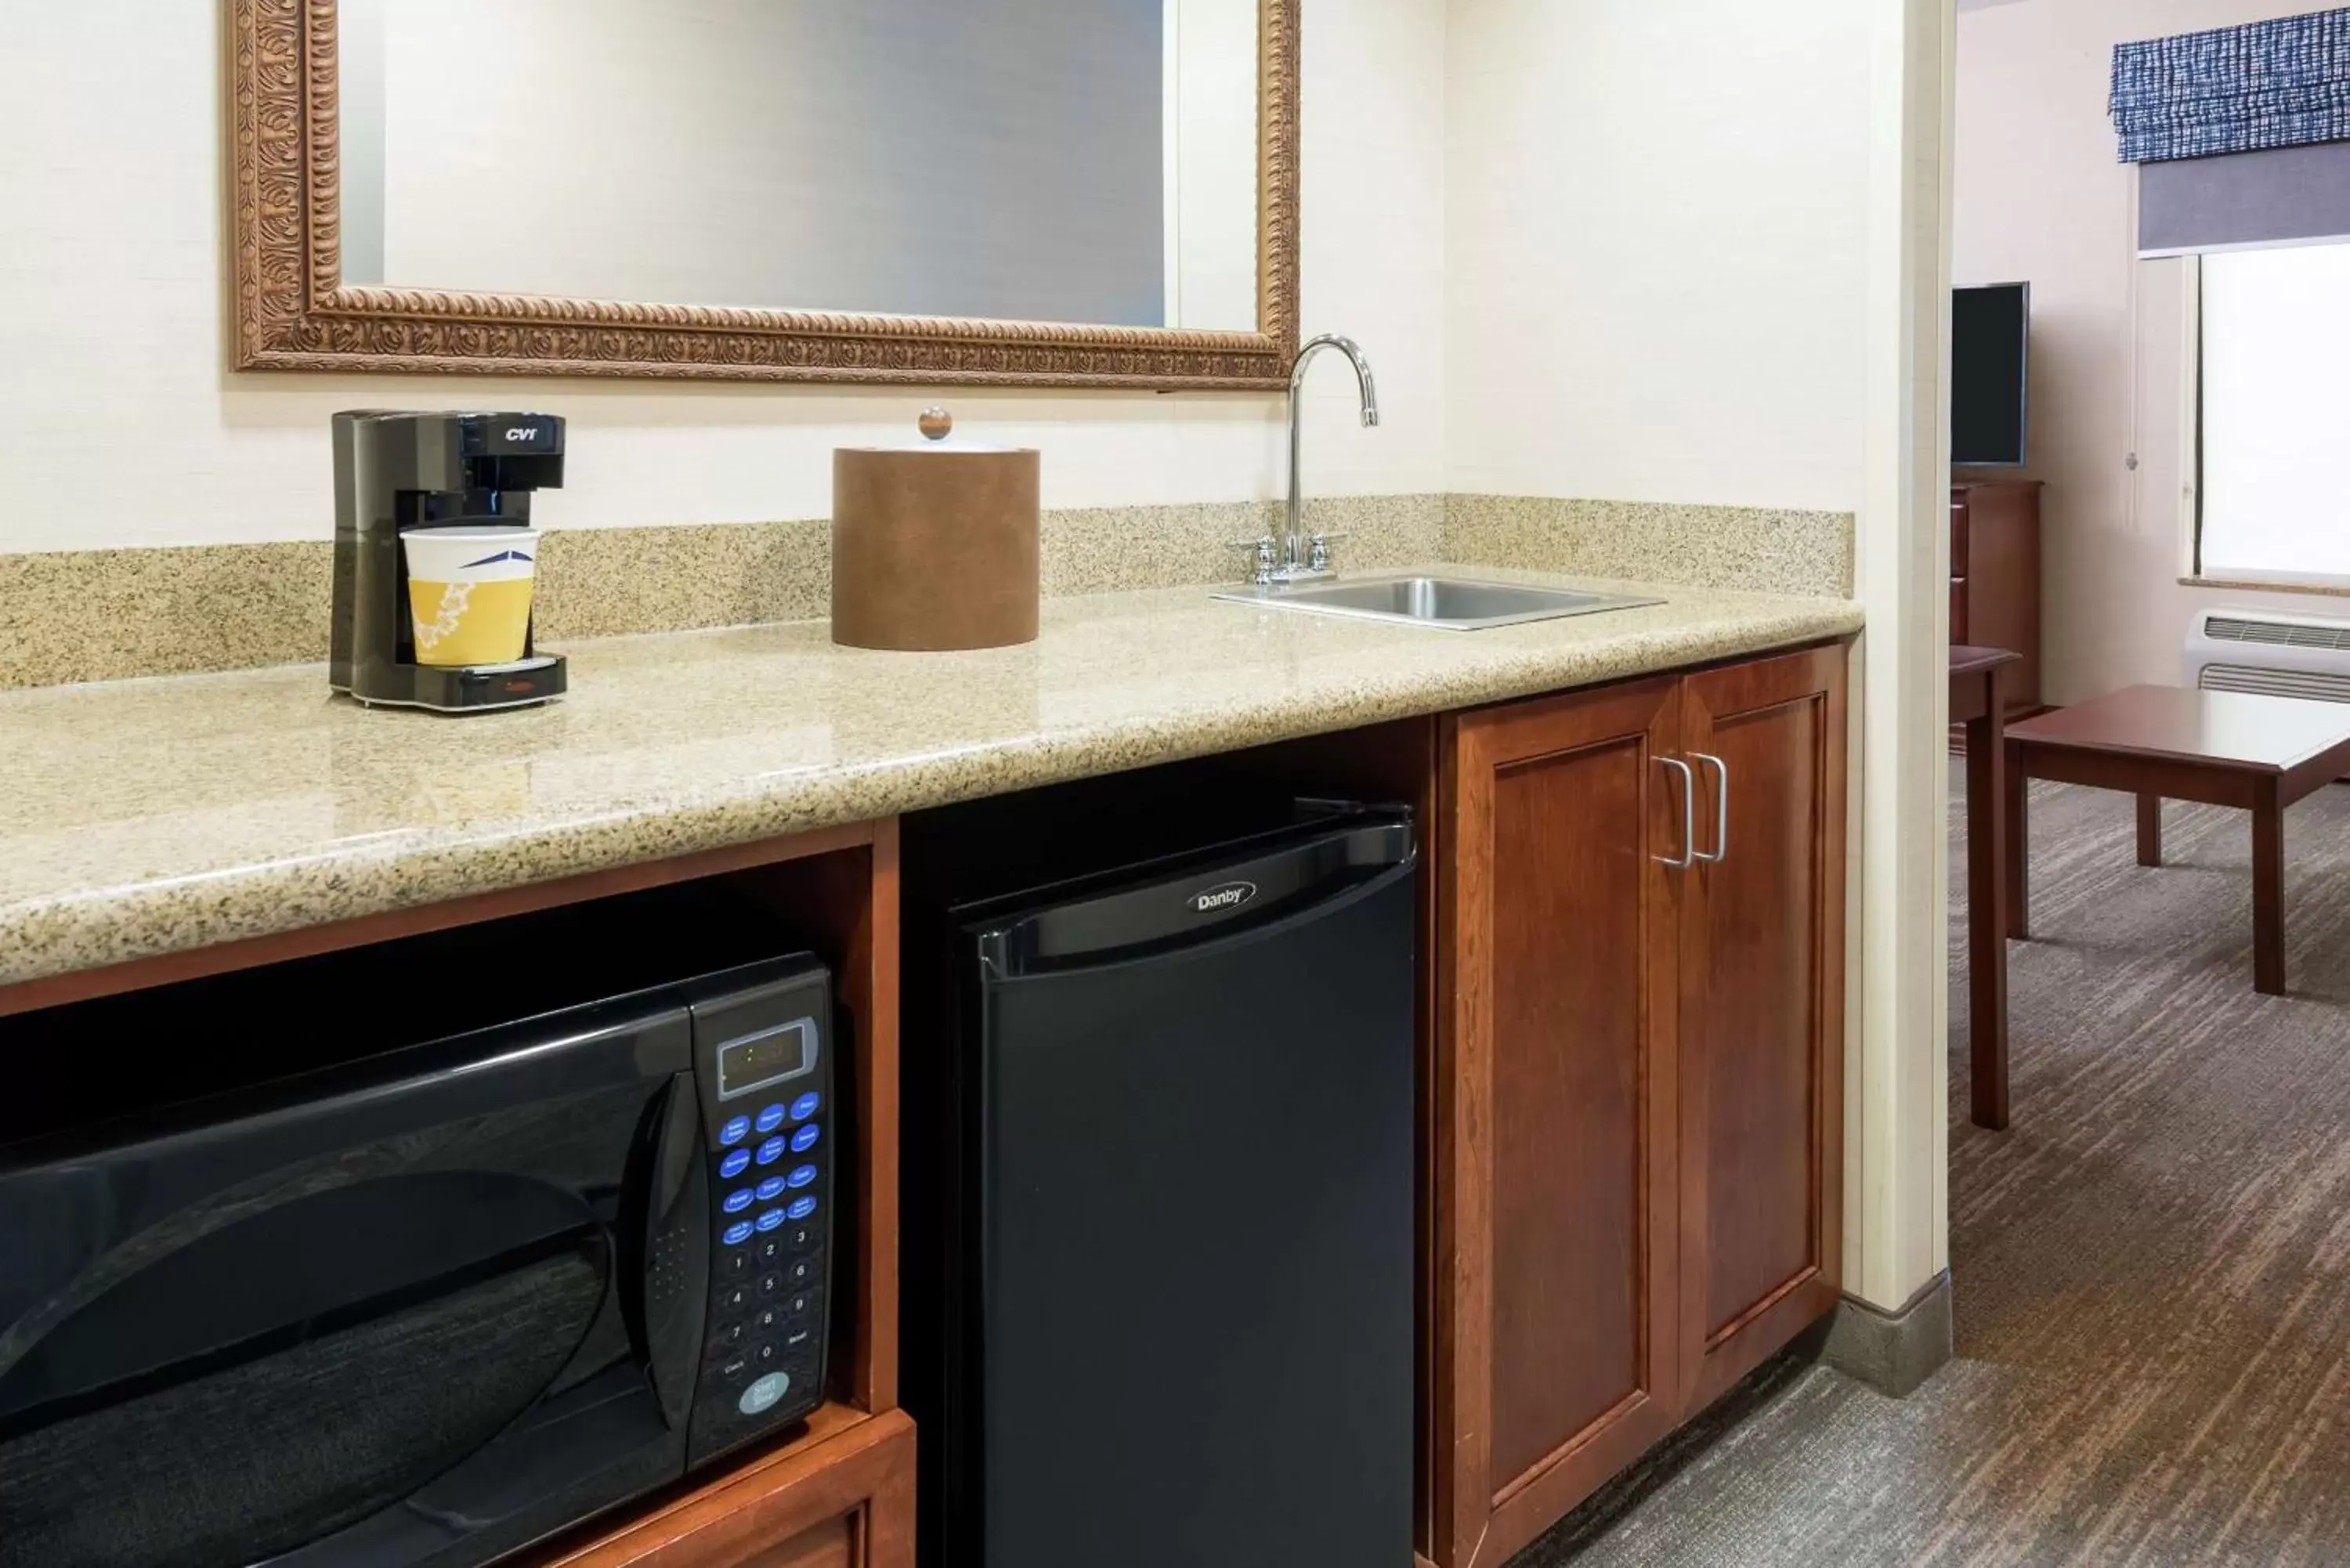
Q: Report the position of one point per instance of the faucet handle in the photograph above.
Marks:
(1265, 550)
(1318, 549)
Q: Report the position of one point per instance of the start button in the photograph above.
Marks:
(764, 1395)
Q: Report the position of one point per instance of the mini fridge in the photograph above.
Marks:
(1160, 1224)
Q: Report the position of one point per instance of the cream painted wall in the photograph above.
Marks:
(122, 425)
(1655, 249)
(2041, 197)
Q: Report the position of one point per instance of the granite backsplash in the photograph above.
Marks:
(103, 615)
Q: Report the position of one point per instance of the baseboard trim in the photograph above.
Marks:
(1893, 1353)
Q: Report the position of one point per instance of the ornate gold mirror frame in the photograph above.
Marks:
(293, 311)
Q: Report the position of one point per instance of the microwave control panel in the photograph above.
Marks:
(763, 1061)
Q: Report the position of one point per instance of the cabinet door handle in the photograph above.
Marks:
(1720, 808)
(1688, 856)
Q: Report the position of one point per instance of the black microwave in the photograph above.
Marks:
(432, 1302)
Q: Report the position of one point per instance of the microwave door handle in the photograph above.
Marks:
(666, 1206)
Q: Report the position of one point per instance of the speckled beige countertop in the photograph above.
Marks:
(148, 816)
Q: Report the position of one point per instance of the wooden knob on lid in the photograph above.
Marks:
(937, 423)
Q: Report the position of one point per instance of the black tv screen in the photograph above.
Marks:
(1988, 329)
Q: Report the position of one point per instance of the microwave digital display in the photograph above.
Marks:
(768, 1057)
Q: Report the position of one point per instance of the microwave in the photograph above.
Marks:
(432, 1302)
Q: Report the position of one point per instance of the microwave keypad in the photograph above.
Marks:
(765, 1360)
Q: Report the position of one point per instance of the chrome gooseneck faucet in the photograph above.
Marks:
(1302, 558)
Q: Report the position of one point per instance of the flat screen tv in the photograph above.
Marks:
(1990, 328)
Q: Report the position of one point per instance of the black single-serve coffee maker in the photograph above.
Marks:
(398, 470)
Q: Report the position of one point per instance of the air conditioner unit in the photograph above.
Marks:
(2271, 652)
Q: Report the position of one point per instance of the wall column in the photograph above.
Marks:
(1897, 1230)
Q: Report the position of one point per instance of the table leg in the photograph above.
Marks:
(1987, 872)
(2149, 830)
(2267, 892)
(2018, 845)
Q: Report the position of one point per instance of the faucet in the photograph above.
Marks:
(1301, 558)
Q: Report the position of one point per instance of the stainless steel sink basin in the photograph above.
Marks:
(1451, 604)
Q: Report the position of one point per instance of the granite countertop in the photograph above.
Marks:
(148, 817)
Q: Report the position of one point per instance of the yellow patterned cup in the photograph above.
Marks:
(469, 593)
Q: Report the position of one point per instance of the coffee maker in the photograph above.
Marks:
(395, 471)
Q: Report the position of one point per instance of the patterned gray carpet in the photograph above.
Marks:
(2152, 1266)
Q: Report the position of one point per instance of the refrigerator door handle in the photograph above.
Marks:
(1190, 909)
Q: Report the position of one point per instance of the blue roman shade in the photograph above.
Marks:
(2241, 135)
(2284, 83)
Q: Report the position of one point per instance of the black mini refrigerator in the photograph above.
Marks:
(1163, 1312)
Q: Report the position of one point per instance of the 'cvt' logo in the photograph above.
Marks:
(1231, 896)
(522, 432)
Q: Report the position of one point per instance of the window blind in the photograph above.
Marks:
(2280, 196)
(2241, 135)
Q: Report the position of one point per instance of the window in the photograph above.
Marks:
(2275, 395)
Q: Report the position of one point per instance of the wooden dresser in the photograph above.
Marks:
(1995, 576)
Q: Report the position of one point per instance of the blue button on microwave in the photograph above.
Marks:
(738, 1200)
(734, 1164)
(771, 1190)
(802, 1207)
(735, 1131)
(806, 1106)
(737, 1234)
(771, 1151)
(773, 1217)
(802, 1176)
(770, 1119)
(805, 1139)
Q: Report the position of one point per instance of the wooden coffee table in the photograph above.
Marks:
(2159, 743)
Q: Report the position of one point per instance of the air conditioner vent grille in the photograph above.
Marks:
(2324, 687)
(2277, 634)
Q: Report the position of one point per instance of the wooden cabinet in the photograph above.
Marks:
(1995, 576)
(1635, 1133)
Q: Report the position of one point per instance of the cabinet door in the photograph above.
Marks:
(1761, 1014)
(1557, 1339)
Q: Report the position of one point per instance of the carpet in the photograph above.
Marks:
(2151, 1267)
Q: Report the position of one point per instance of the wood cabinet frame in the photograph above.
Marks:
(838, 1494)
(842, 1499)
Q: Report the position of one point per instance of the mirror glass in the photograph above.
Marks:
(1010, 160)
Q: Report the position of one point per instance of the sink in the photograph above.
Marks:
(1450, 604)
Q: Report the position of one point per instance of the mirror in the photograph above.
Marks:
(1101, 192)
(1021, 161)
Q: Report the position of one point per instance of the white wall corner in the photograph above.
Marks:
(1897, 1233)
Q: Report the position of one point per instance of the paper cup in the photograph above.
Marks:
(469, 593)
